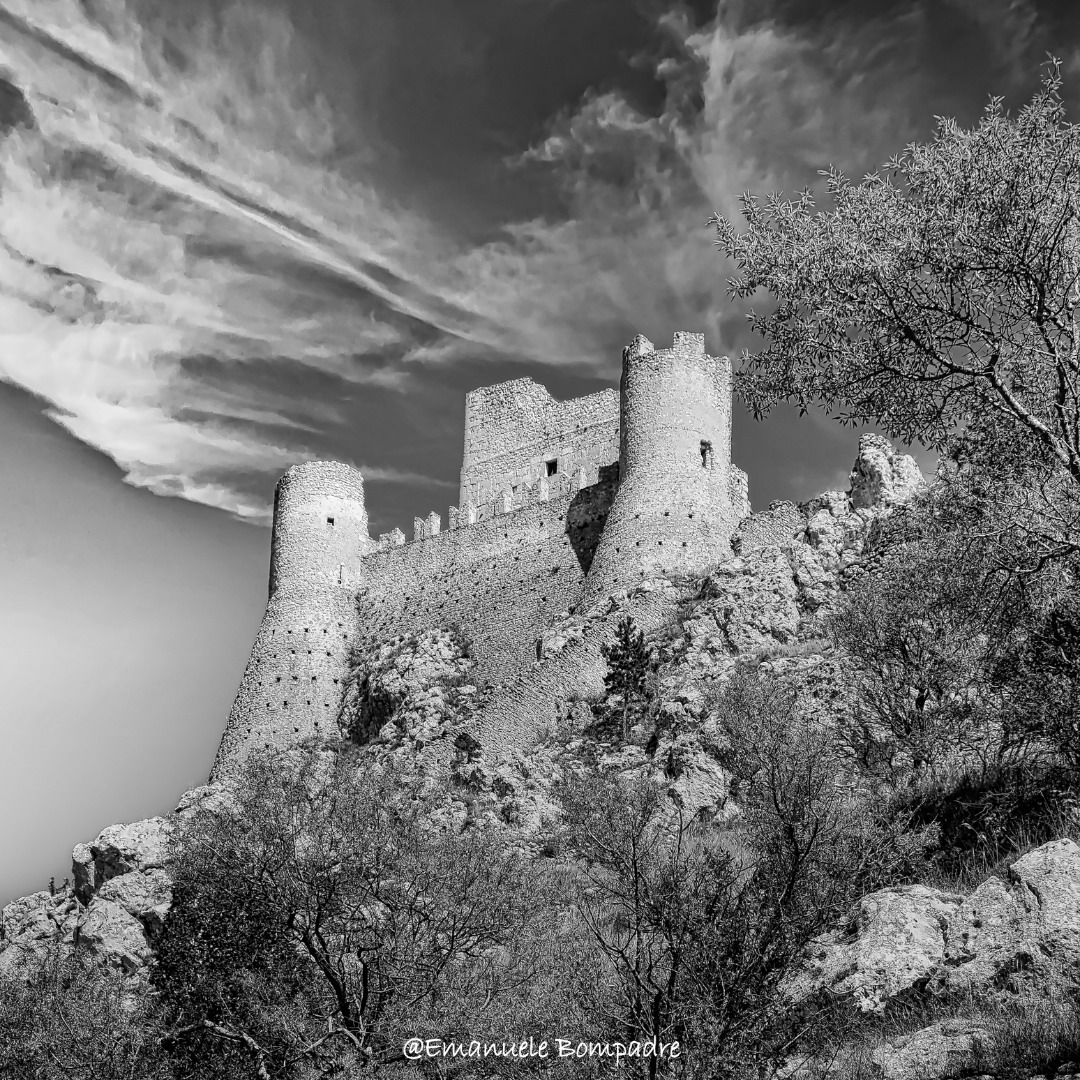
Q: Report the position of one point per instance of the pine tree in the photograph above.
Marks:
(630, 664)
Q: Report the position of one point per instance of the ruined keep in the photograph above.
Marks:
(561, 505)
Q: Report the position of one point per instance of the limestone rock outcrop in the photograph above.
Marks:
(882, 476)
(410, 689)
(1021, 927)
(30, 926)
(119, 849)
(1003, 934)
(118, 901)
(894, 939)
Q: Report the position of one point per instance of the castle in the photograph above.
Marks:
(561, 505)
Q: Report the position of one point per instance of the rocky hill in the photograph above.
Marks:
(412, 702)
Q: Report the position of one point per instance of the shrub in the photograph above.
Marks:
(698, 931)
(71, 1019)
(325, 918)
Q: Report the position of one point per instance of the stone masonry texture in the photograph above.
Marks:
(562, 506)
(516, 434)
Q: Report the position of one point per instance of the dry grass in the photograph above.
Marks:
(1015, 1036)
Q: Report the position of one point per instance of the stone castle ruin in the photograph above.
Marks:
(562, 505)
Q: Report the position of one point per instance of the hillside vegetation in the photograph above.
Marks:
(822, 823)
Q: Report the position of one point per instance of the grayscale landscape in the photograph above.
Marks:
(542, 538)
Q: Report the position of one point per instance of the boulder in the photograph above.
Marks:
(944, 1049)
(119, 849)
(894, 939)
(1032, 924)
(112, 932)
(914, 936)
(209, 797)
(147, 897)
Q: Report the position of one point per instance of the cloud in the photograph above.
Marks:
(189, 229)
(748, 105)
(755, 100)
(161, 210)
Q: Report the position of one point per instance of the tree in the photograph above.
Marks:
(917, 633)
(631, 665)
(653, 892)
(939, 299)
(325, 917)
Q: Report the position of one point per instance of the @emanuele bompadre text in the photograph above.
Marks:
(416, 1049)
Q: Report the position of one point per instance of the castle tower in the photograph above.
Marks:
(673, 510)
(294, 678)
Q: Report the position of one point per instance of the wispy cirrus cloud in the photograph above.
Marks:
(201, 267)
(151, 215)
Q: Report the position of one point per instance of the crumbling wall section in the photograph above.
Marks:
(774, 527)
(517, 434)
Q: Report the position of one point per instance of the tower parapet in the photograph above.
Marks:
(673, 510)
(320, 526)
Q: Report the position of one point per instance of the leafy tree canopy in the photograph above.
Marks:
(938, 296)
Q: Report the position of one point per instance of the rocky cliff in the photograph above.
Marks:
(412, 700)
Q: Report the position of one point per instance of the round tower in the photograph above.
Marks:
(673, 510)
(294, 679)
(320, 526)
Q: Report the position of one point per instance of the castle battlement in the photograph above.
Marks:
(544, 489)
(560, 504)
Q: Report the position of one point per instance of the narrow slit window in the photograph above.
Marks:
(706, 453)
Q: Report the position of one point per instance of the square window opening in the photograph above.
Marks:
(552, 466)
(329, 521)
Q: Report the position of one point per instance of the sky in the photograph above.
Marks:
(238, 235)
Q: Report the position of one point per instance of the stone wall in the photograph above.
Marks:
(516, 433)
(501, 581)
(774, 527)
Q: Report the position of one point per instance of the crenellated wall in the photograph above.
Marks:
(501, 581)
(561, 504)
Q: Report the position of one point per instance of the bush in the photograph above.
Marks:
(986, 819)
(71, 1019)
(698, 930)
(325, 918)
